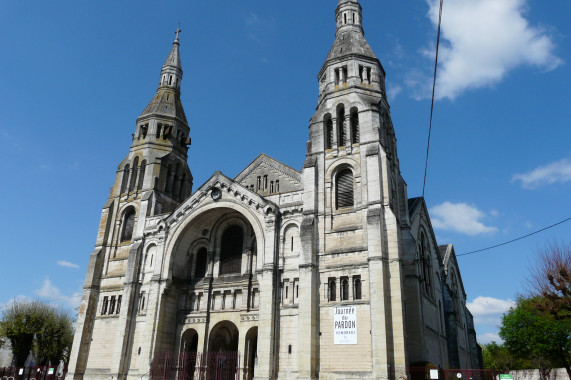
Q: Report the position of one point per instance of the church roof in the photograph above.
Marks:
(350, 42)
(165, 103)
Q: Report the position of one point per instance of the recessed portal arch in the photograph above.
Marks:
(223, 337)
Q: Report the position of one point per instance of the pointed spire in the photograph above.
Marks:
(174, 56)
(166, 102)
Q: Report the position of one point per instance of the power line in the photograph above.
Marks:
(514, 240)
(432, 102)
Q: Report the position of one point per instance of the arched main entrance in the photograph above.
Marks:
(223, 359)
(223, 337)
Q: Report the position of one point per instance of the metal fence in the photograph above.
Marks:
(222, 365)
(31, 373)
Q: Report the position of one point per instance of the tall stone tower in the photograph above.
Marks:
(153, 179)
(354, 206)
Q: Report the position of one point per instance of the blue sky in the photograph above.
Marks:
(77, 74)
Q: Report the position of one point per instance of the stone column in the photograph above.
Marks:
(125, 326)
(308, 323)
(267, 301)
(86, 317)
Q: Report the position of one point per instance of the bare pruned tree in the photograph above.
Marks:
(551, 280)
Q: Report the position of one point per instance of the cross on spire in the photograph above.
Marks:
(178, 30)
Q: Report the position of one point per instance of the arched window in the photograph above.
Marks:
(181, 194)
(168, 182)
(328, 131)
(341, 126)
(426, 265)
(125, 179)
(344, 288)
(128, 225)
(344, 189)
(142, 174)
(231, 250)
(200, 264)
(357, 287)
(176, 182)
(134, 174)
(332, 289)
(355, 133)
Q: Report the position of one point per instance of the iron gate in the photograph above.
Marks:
(221, 365)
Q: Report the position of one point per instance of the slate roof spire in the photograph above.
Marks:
(349, 37)
(166, 102)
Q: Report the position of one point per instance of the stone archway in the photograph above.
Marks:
(223, 337)
(250, 353)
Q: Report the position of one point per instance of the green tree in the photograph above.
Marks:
(53, 340)
(34, 325)
(537, 336)
(498, 358)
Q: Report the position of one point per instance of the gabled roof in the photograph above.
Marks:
(265, 160)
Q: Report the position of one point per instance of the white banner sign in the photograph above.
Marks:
(345, 325)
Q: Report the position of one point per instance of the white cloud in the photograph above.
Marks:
(558, 171)
(51, 293)
(393, 91)
(481, 41)
(483, 306)
(489, 338)
(488, 312)
(459, 217)
(67, 264)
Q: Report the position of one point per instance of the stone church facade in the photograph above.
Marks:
(327, 272)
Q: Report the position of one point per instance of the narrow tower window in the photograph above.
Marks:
(158, 132)
(355, 126)
(128, 225)
(344, 189)
(277, 186)
(182, 192)
(344, 289)
(357, 287)
(112, 305)
(332, 289)
(142, 174)
(125, 179)
(104, 305)
(168, 182)
(118, 304)
(134, 174)
(328, 132)
(341, 125)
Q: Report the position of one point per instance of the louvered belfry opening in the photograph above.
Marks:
(344, 188)
(231, 250)
(328, 132)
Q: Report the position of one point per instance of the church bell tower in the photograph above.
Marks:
(153, 179)
(355, 203)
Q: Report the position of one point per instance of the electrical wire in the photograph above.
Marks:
(432, 102)
(514, 240)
